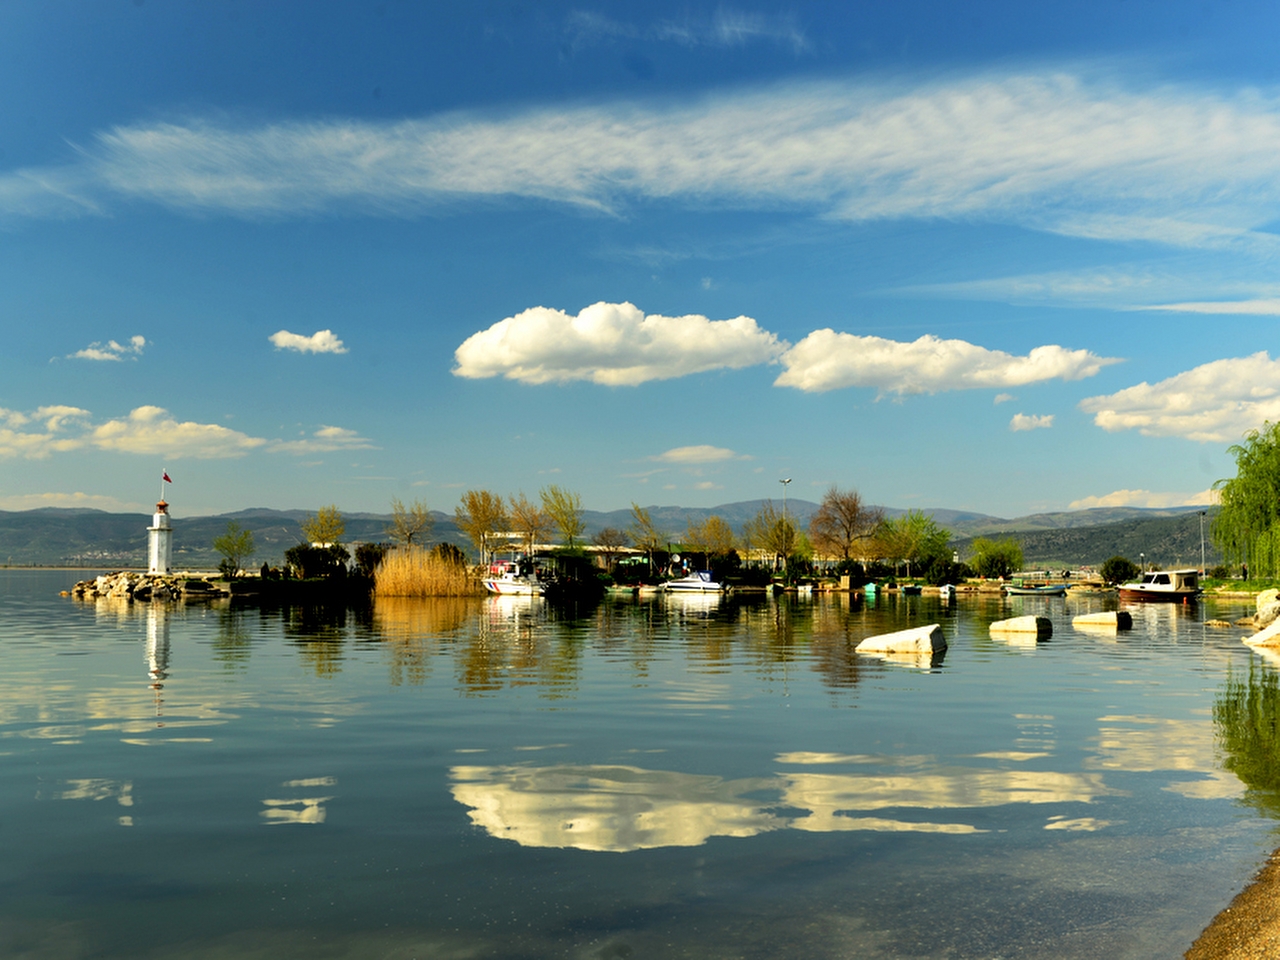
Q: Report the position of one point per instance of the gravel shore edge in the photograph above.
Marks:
(1249, 928)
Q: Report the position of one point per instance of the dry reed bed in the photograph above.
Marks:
(419, 573)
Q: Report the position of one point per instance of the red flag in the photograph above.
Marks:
(166, 478)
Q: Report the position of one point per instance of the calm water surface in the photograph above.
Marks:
(672, 778)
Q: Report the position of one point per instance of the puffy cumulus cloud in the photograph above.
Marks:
(1024, 421)
(322, 341)
(1084, 153)
(827, 360)
(611, 343)
(1146, 498)
(1216, 402)
(702, 453)
(111, 350)
(150, 430)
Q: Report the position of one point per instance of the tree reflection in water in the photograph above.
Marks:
(1246, 713)
(497, 643)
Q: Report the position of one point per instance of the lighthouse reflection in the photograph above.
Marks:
(158, 653)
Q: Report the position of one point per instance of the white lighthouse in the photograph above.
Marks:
(160, 541)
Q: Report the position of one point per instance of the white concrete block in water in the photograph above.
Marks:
(1040, 626)
(1116, 619)
(1270, 637)
(927, 639)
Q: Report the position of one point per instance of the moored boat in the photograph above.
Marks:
(517, 578)
(1048, 590)
(1177, 585)
(700, 581)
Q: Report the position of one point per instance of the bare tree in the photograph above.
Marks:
(644, 534)
(565, 510)
(842, 522)
(480, 516)
(530, 521)
(609, 540)
(325, 526)
(409, 522)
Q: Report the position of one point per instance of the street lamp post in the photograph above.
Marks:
(1142, 560)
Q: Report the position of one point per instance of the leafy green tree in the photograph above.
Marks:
(712, 536)
(1118, 570)
(996, 558)
(480, 515)
(309, 562)
(565, 510)
(409, 522)
(772, 532)
(325, 526)
(236, 546)
(913, 537)
(1247, 528)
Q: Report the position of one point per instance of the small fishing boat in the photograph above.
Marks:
(1047, 590)
(912, 589)
(1181, 586)
(516, 578)
(700, 581)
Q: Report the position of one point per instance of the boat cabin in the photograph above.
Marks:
(1178, 580)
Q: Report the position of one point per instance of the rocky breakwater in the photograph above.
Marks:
(146, 587)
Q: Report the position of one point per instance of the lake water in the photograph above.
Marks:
(670, 778)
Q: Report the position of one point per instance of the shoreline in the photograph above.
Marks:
(1248, 928)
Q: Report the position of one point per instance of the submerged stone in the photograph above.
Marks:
(928, 639)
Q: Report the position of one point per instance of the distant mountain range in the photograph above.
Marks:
(83, 537)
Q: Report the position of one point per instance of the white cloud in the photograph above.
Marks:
(1023, 421)
(702, 453)
(322, 341)
(1214, 402)
(111, 350)
(1146, 498)
(152, 431)
(826, 360)
(726, 28)
(324, 440)
(611, 343)
(1257, 308)
(1076, 153)
(1002, 398)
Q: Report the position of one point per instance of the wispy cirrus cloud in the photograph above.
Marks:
(111, 350)
(1076, 152)
(615, 344)
(1257, 308)
(1146, 498)
(725, 28)
(827, 360)
(1215, 402)
(152, 431)
(322, 341)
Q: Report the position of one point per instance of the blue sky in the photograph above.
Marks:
(972, 255)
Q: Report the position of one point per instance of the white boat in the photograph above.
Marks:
(1176, 585)
(700, 581)
(515, 578)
